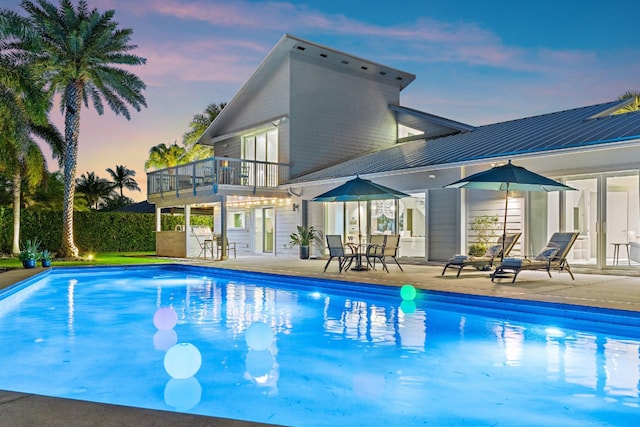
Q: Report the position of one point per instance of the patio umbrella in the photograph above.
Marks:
(358, 189)
(506, 178)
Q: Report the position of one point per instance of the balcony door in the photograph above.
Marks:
(264, 227)
(260, 148)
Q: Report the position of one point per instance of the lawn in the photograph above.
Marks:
(101, 258)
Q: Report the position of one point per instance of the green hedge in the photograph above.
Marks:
(93, 231)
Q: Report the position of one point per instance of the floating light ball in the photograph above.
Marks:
(408, 292)
(165, 318)
(259, 336)
(183, 394)
(182, 361)
(408, 306)
(259, 363)
(163, 340)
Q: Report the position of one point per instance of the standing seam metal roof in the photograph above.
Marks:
(548, 132)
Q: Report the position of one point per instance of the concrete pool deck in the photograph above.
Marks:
(615, 290)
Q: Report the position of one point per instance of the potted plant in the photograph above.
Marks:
(303, 238)
(485, 228)
(45, 258)
(30, 253)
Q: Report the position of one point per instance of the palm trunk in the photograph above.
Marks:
(17, 181)
(71, 133)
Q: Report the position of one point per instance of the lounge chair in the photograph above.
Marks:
(552, 257)
(487, 260)
(338, 250)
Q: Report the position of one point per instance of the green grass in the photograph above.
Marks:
(102, 258)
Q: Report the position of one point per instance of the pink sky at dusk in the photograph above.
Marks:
(475, 62)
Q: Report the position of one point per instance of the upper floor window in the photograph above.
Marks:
(261, 146)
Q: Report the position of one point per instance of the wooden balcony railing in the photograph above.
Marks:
(217, 171)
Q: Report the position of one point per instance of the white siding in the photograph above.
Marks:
(336, 115)
(483, 202)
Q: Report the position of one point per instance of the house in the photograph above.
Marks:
(311, 117)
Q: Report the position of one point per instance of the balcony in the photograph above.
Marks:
(215, 174)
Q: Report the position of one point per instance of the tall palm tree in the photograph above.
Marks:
(122, 178)
(78, 52)
(166, 156)
(634, 106)
(94, 188)
(23, 112)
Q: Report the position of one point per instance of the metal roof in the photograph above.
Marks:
(580, 127)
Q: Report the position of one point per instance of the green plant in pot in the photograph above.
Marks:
(30, 253)
(45, 258)
(303, 238)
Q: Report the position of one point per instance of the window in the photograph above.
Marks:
(406, 131)
(262, 146)
(235, 220)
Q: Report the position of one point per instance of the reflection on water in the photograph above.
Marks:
(211, 345)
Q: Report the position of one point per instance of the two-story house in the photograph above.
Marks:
(311, 117)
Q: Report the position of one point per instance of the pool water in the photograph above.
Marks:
(317, 352)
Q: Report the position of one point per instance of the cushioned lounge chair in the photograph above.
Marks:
(487, 260)
(344, 254)
(552, 257)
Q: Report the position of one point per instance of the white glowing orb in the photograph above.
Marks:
(259, 363)
(165, 318)
(182, 394)
(259, 336)
(182, 361)
(163, 340)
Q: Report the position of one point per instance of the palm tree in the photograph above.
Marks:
(77, 51)
(199, 125)
(94, 188)
(122, 178)
(634, 106)
(165, 156)
(23, 112)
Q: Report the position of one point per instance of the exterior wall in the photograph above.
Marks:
(336, 115)
(444, 224)
(482, 202)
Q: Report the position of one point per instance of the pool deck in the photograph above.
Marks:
(615, 290)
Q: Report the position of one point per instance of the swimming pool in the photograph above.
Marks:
(320, 352)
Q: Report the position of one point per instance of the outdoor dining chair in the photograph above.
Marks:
(338, 250)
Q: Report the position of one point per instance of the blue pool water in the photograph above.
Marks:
(319, 352)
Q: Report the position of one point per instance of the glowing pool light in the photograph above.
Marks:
(182, 361)
(165, 318)
(408, 292)
(259, 336)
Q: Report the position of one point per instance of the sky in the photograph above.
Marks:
(476, 62)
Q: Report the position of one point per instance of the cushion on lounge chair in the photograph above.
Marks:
(546, 253)
(512, 262)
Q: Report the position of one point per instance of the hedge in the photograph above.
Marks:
(93, 231)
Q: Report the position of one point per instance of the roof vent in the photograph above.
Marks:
(345, 62)
(364, 68)
(324, 55)
(383, 73)
(398, 78)
(300, 47)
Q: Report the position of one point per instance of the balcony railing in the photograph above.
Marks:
(217, 171)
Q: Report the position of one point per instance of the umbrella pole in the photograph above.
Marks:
(359, 225)
(504, 227)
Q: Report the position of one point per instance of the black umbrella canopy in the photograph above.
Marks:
(507, 178)
(358, 189)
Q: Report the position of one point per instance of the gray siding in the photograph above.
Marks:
(336, 115)
(444, 224)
